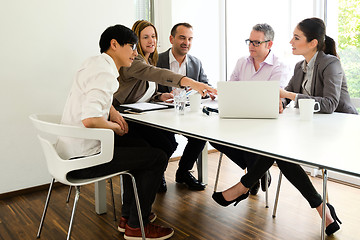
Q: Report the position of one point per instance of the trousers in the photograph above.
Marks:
(257, 166)
(190, 154)
(144, 162)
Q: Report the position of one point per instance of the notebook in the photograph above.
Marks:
(248, 99)
(140, 107)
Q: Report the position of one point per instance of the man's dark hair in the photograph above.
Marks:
(174, 28)
(120, 33)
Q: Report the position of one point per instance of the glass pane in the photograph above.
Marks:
(143, 10)
(282, 15)
(344, 27)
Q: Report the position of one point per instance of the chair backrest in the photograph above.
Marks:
(49, 127)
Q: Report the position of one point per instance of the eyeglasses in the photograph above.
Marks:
(255, 43)
(133, 46)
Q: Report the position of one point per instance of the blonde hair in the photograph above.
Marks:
(137, 28)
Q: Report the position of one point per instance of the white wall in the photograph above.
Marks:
(42, 44)
(203, 15)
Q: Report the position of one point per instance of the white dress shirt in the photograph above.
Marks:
(90, 96)
(149, 92)
(175, 65)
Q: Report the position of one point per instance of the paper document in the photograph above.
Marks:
(143, 106)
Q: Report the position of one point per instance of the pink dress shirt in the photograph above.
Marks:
(270, 70)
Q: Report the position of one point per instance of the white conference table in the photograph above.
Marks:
(329, 141)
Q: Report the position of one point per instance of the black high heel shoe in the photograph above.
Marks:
(334, 226)
(219, 198)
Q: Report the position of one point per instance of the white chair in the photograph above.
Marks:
(49, 127)
(112, 197)
(266, 180)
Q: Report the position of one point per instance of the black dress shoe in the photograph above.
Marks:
(263, 186)
(162, 187)
(255, 188)
(219, 198)
(334, 226)
(189, 180)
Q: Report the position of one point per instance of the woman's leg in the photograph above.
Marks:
(297, 176)
(236, 155)
(261, 165)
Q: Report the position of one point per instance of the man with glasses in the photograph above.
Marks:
(261, 65)
(89, 105)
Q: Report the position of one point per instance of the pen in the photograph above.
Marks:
(132, 112)
(190, 92)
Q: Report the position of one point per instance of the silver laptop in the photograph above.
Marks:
(248, 99)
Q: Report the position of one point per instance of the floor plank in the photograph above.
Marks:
(193, 215)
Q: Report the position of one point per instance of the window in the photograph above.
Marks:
(343, 25)
(144, 10)
(282, 15)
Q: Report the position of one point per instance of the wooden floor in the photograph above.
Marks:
(193, 215)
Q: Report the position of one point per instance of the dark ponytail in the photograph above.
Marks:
(314, 28)
(330, 46)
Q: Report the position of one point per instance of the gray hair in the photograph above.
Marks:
(266, 29)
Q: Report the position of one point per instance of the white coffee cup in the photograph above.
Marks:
(195, 101)
(307, 108)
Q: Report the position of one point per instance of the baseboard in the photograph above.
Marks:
(57, 184)
(28, 190)
(174, 159)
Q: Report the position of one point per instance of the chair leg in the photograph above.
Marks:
(69, 194)
(277, 195)
(218, 171)
(121, 189)
(76, 199)
(45, 208)
(138, 206)
(112, 198)
(327, 193)
(267, 189)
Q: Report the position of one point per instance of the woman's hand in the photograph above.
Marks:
(166, 96)
(281, 107)
(286, 94)
(202, 88)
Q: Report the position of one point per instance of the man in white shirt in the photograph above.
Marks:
(89, 105)
(261, 65)
(179, 61)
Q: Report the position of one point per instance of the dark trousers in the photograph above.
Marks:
(293, 172)
(190, 154)
(155, 137)
(146, 163)
(258, 165)
(241, 158)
